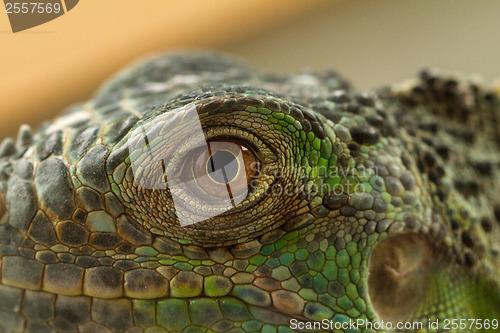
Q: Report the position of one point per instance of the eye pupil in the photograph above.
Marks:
(222, 170)
(222, 166)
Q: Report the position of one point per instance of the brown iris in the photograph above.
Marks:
(225, 169)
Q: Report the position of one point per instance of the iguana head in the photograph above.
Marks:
(193, 192)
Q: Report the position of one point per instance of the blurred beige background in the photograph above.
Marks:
(47, 68)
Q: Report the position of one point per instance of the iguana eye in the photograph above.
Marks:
(225, 168)
(187, 170)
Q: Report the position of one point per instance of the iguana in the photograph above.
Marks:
(194, 194)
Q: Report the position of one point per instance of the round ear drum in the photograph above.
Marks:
(398, 274)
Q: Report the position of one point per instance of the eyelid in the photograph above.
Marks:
(154, 170)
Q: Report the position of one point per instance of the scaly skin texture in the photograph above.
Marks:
(391, 212)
